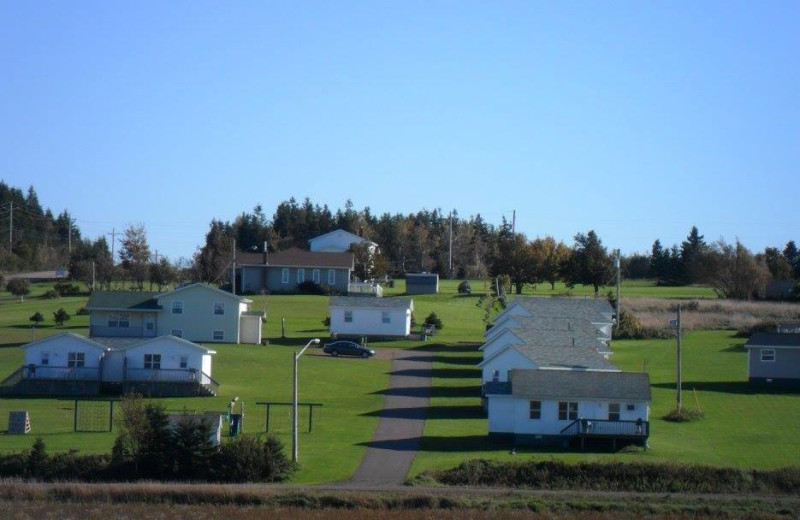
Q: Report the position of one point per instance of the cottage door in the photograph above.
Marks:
(149, 326)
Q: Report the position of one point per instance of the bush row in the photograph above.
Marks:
(619, 476)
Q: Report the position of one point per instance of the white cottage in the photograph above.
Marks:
(549, 406)
(365, 316)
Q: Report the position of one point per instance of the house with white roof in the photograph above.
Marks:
(338, 241)
(366, 316)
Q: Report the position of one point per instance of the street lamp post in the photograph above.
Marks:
(314, 341)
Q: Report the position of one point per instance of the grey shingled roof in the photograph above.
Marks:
(124, 300)
(773, 339)
(565, 384)
(295, 257)
(590, 309)
(532, 335)
(576, 358)
(371, 302)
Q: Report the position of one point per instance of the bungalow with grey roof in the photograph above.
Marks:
(567, 407)
(365, 316)
(773, 359)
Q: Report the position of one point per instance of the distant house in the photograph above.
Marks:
(338, 241)
(565, 407)
(69, 364)
(773, 358)
(422, 283)
(780, 289)
(196, 312)
(365, 316)
(283, 271)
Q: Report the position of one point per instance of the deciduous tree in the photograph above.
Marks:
(589, 263)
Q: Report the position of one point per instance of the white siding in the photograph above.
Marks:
(503, 407)
(59, 346)
(369, 322)
(171, 352)
(505, 362)
(500, 342)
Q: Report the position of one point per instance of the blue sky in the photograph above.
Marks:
(636, 119)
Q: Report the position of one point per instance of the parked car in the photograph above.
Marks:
(347, 348)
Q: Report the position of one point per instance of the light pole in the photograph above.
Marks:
(314, 341)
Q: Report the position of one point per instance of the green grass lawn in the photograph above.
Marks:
(741, 428)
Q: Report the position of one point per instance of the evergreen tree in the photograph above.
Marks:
(792, 256)
(590, 263)
(693, 249)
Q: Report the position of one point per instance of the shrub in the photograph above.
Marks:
(83, 311)
(246, 459)
(761, 326)
(684, 415)
(67, 289)
(50, 295)
(464, 288)
(61, 316)
(629, 327)
(309, 287)
(36, 465)
(19, 287)
(327, 322)
(434, 320)
(37, 318)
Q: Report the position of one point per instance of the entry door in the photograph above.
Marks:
(149, 326)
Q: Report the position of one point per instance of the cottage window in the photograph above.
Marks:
(386, 317)
(218, 335)
(301, 275)
(535, 410)
(219, 308)
(495, 375)
(177, 307)
(613, 411)
(348, 316)
(285, 275)
(315, 275)
(184, 362)
(45, 359)
(331, 277)
(76, 359)
(567, 411)
(768, 355)
(152, 361)
(178, 333)
(119, 320)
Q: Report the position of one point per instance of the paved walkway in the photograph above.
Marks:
(396, 440)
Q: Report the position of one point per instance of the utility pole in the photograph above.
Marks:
(450, 269)
(10, 226)
(113, 241)
(617, 263)
(513, 221)
(233, 268)
(679, 397)
(92, 275)
(156, 257)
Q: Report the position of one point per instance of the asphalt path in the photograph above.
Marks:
(398, 435)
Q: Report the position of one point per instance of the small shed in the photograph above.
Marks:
(422, 283)
(366, 316)
(773, 358)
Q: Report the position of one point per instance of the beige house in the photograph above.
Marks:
(196, 312)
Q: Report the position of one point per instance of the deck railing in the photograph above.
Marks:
(606, 428)
(55, 372)
(172, 375)
(103, 331)
(368, 288)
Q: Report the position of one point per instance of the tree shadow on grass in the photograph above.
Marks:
(731, 387)
(435, 391)
(444, 373)
(431, 412)
(465, 443)
(441, 347)
(737, 348)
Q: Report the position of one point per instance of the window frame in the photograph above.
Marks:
(285, 275)
(612, 413)
(315, 276)
(348, 316)
(331, 276)
(177, 307)
(153, 363)
(44, 359)
(221, 335)
(183, 362)
(178, 333)
(218, 306)
(76, 359)
(386, 317)
(770, 356)
(567, 410)
(301, 275)
(534, 410)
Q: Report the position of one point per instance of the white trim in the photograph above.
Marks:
(214, 308)
(315, 276)
(764, 351)
(301, 275)
(331, 276)
(285, 275)
(177, 305)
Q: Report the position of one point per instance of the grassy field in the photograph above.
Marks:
(741, 428)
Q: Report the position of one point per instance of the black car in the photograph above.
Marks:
(347, 348)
